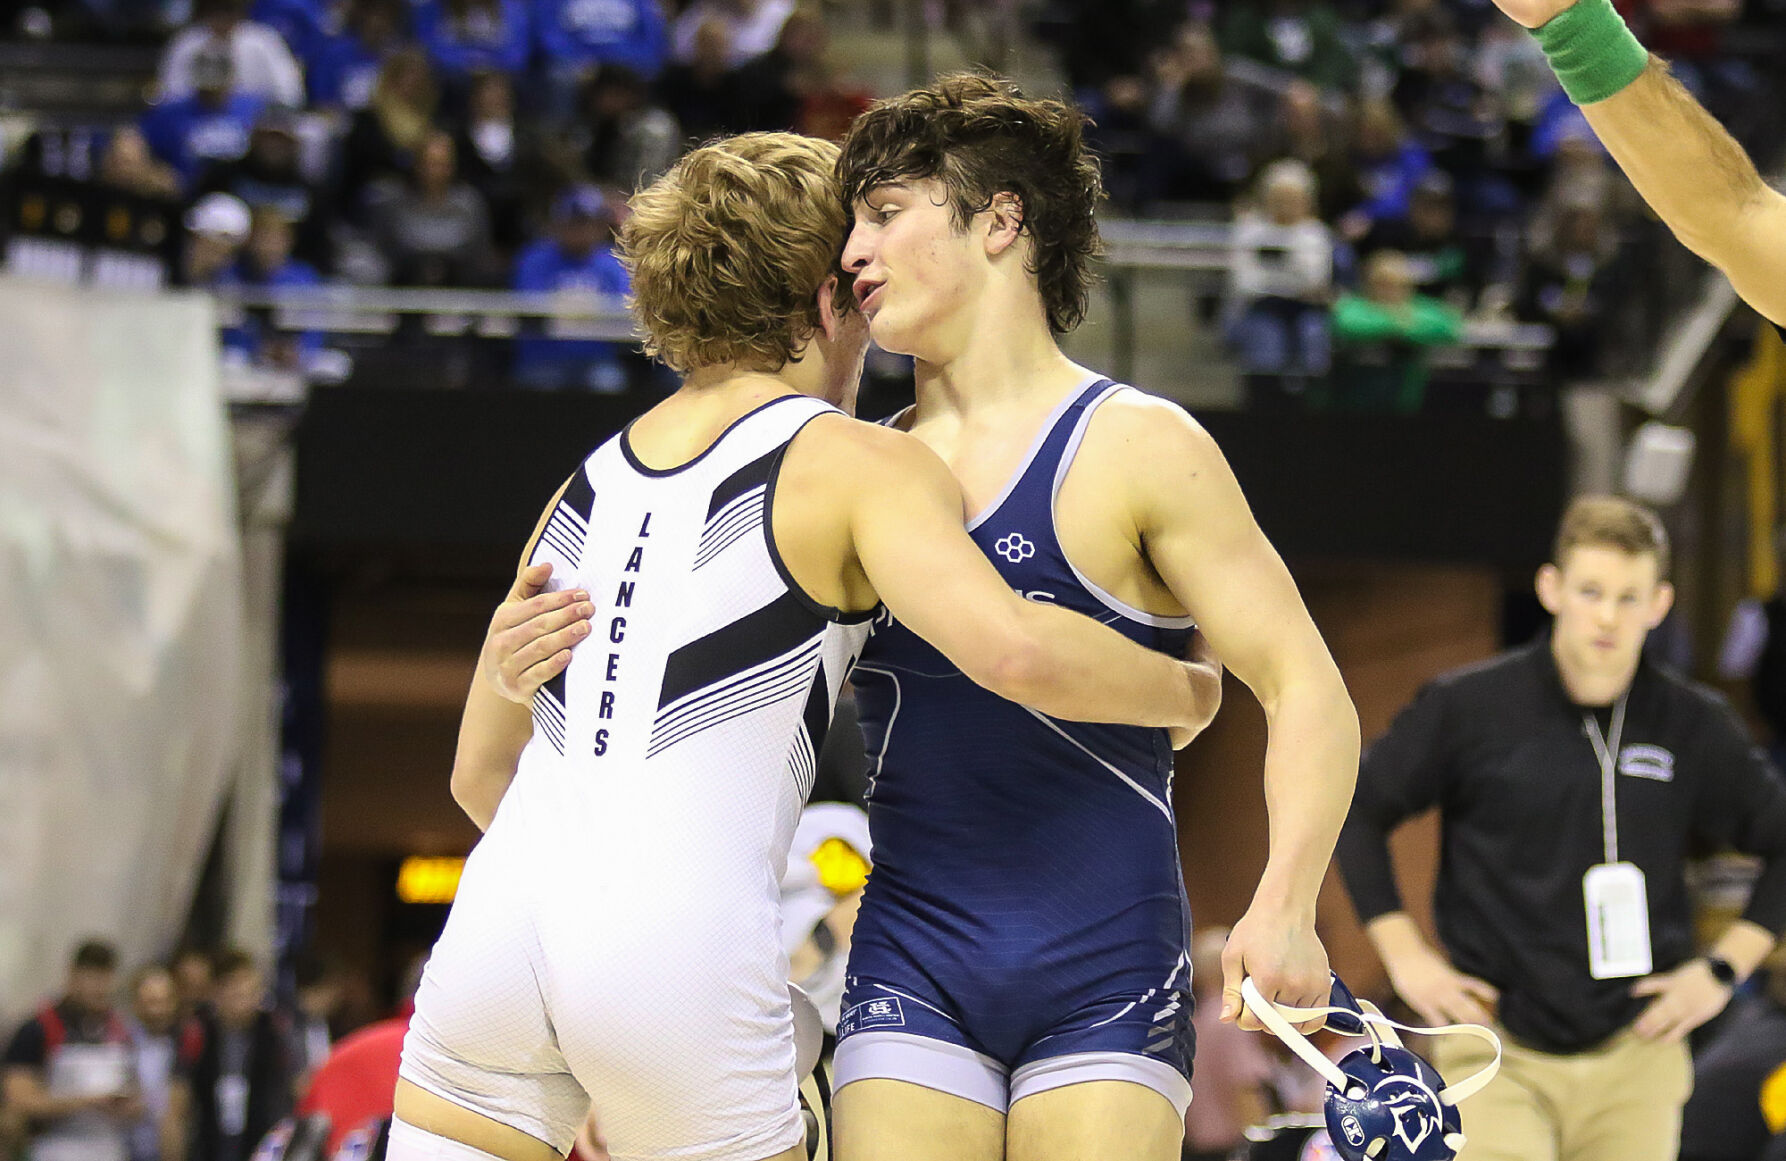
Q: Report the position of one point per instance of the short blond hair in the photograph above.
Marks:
(1612, 522)
(728, 249)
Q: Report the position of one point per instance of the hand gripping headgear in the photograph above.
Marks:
(1384, 1103)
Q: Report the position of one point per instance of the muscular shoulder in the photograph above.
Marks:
(1137, 419)
(1152, 452)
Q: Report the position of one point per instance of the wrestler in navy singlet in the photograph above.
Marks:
(1025, 925)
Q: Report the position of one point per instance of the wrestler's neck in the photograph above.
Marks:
(727, 386)
(1001, 355)
(711, 399)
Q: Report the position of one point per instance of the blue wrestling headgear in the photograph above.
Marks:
(1384, 1103)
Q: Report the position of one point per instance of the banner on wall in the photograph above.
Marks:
(121, 622)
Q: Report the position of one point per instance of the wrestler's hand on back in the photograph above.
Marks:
(531, 634)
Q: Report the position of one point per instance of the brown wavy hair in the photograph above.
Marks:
(980, 136)
(728, 249)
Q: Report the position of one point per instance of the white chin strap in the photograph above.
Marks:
(1281, 1020)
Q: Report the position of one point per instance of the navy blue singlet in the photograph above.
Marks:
(1026, 901)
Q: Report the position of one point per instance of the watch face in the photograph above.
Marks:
(1721, 970)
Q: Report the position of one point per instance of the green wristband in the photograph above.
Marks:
(1591, 50)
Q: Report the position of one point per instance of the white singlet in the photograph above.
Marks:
(616, 934)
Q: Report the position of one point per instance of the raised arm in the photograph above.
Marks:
(1201, 537)
(1686, 166)
(906, 524)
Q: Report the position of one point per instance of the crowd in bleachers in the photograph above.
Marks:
(1393, 167)
(1399, 166)
(442, 143)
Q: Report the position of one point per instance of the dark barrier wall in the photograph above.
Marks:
(446, 469)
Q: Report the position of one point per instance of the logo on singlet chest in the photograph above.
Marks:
(1015, 547)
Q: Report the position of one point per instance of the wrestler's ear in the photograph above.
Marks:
(830, 313)
(1005, 222)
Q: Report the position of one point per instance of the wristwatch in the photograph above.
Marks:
(1721, 970)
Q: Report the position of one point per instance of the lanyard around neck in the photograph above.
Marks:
(1607, 750)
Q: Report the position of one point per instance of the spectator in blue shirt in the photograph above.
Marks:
(576, 37)
(1389, 165)
(298, 22)
(267, 262)
(467, 36)
(583, 34)
(212, 125)
(578, 259)
(342, 65)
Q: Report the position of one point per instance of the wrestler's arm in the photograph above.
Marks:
(906, 513)
(1200, 536)
(1691, 172)
(527, 644)
(1699, 181)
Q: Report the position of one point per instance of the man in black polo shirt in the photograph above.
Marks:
(1569, 776)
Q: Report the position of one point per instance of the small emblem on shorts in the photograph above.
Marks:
(1015, 547)
(872, 1014)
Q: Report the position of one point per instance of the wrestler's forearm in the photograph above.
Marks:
(492, 734)
(1311, 766)
(1687, 167)
(1077, 669)
(1684, 163)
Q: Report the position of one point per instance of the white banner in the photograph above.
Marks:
(121, 622)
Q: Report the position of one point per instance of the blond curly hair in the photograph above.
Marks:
(728, 250)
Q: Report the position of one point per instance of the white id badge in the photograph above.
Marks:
(232, 1105)
(1618, 907)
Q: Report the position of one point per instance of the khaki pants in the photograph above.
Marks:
(1620, 1102)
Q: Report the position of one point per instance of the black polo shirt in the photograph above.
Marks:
(1504, 754)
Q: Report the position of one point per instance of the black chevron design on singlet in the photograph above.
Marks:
(803, 763)
(752, 475)
(579, 498)
(726, 700)
(776, 628)
(579, 494)
(817, 714)
(548, 719)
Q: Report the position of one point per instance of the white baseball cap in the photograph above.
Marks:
(219, 215)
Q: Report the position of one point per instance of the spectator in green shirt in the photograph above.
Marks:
(1381, 335)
